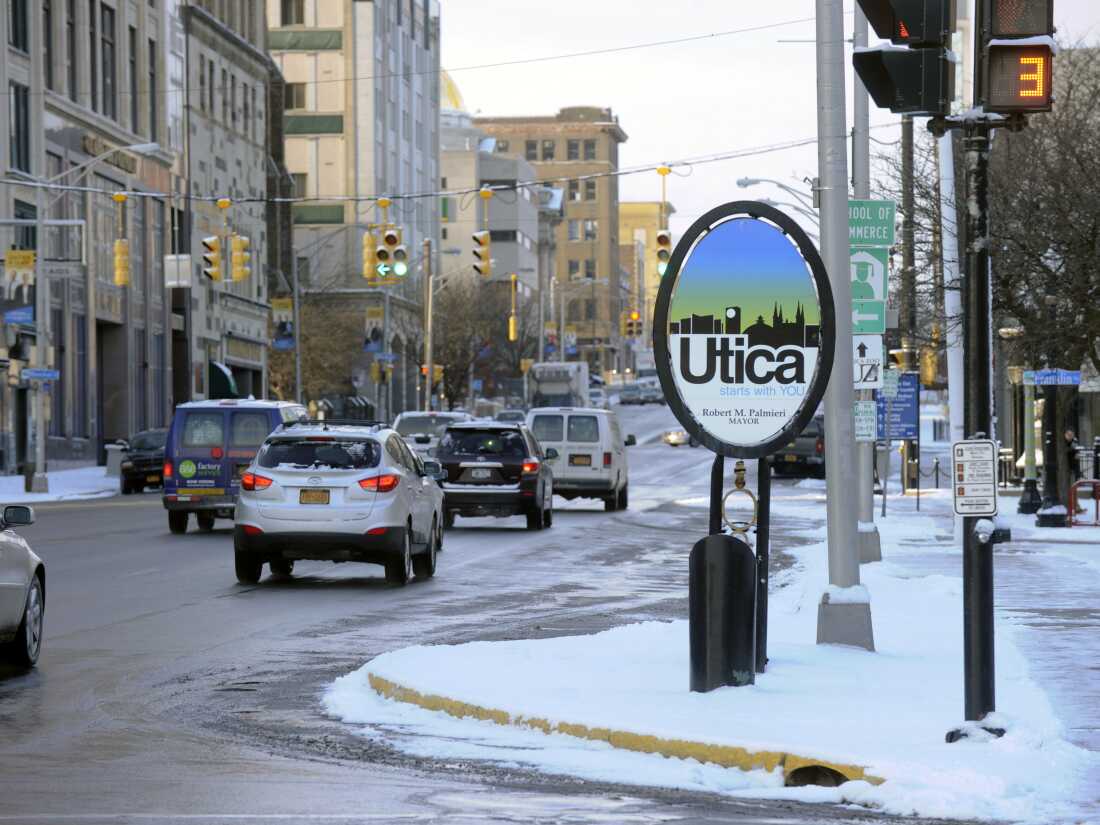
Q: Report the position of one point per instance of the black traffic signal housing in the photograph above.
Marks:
(920, 79)
(1016, 55)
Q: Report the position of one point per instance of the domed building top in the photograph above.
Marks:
(452, 97)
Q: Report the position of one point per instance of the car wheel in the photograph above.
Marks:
(206, 522)
(399, 571)
(534, 520)
(449, 519)
(23, 650)
(623, 497)
(439, 542)
(281, 567)
(548, 517)
(611, 503)
(247, 566)
(424, 564)
(126, 488)
(177, 521)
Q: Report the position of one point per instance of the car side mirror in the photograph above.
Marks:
(630, 441)
(434, 470)
(551, 453)
(18, 515)
(422, 439)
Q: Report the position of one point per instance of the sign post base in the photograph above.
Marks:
(870, 543)
(844, 623)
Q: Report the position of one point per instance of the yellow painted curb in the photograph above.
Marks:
(728, 756)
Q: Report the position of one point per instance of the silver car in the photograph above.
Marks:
(22, 591)
(338, 493)
(422, 430)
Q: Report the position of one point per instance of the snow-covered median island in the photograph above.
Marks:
(886, 711)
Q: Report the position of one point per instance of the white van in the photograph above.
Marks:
(591, 460)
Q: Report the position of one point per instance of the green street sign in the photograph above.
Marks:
(871, 223)
(868, 317)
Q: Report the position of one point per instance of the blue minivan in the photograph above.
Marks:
(210, 443)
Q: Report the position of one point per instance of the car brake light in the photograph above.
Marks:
(167, 469)
(254, 481)
(252, 530)
(376, 531)
(820, 446)
(607, 459)
(530, 467)
(380, 484)
(215, 452)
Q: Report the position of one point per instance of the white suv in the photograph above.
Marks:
(336, 492)
(422, 430)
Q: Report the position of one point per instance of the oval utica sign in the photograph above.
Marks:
(743, 331)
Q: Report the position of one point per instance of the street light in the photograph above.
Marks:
(744, 183)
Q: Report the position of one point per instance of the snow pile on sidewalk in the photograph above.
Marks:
(886, 711)
(83, 482)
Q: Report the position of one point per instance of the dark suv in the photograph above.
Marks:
(143, 461)
(496, 469)
(805, 456)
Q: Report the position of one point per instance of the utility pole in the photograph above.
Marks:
(428, 323)
(870, 543)
(952, 296)
(908, 285)
(848, 623)
(40, 482)
(297, 330)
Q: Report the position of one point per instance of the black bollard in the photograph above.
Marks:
(721, 612)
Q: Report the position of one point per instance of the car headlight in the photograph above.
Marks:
(126, 465)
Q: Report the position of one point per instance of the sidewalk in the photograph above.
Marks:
(873, 717)
(83, 482)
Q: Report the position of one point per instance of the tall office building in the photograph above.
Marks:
(362, 121)
(577, 148)
(639, 221)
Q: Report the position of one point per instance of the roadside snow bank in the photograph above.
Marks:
(83, 482)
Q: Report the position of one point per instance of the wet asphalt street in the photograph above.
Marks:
(167, 692)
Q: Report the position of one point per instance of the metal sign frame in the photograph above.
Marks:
(825, 352)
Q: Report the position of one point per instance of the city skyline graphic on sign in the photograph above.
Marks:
(746, 277)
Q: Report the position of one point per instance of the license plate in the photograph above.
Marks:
(152, 479)
(313, 497)
(790, 458)
(480, 473)
(580, 460)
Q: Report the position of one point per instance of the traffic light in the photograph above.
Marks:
(212, 257)
(664, 250)
(513, 323)
(484, 264)
(1015, 67)
(240, 256)
(397, 256)
(624, 329)
(122, 262)
(634, 324)
(919, 80)
(370, 262)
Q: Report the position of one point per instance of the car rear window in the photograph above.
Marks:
(302, 454)
(504, 443)
(204, 429)
(584, 428)
(547, 427)
(249, 429)
(151, 440)
(423, 425)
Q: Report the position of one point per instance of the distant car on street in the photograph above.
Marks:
(338, 493)
(651, 395)
(597, 397)
(631, 394)
(510, 416)
(143, 461)
(496, 469)
(22, 591)
(422, 430)
(805, 456)
(678, 437)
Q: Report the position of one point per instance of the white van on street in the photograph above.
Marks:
(591, 460)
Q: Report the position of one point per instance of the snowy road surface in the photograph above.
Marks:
(167, 691)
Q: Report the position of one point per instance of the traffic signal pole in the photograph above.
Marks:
(848, 623)
(870, 543)
(428, 323)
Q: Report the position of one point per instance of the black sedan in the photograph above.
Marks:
(496, 469)
(143, 461)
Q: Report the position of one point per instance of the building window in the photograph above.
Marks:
(157, 374)
(154, 117)
(92, 75)
(573, 150)
(589, 310)
(502, 146)
(17, 30)
(502, 235)
(210, 88)
(57, 388)
(574, 229)
(590, 190)
(202, 85)
(590, 150)
(107, 39)
(225, 97)
(47, 41)
(590, 267)
(246, 126)
(255, 115)
(548, 150)
(24, 236)
(294, 12)
(19, 134)
(70, 44)
(574, 191)
(135, 127)
(590, 229)
(301, 181)
(574, 268)
(141, 380)
(233, 101)
(294, 96)
(531, 150)
(80, 376)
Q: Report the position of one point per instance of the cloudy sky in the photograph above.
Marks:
(722, 93)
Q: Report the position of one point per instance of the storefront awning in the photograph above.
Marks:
(221, 381)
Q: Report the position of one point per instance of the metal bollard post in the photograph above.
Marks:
(936, 470)
(722, 611)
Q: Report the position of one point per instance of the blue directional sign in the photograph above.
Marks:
(36, 374)
(904, 418)
(19, 315)
(1053, 377)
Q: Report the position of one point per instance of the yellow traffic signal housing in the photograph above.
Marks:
(212, 257)
(240, 256)
(624, 321)
(122, 262)
(664, 250)
(392, 252)
(370, 262)
(484, 261)
(634, 324)
(513, 328)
